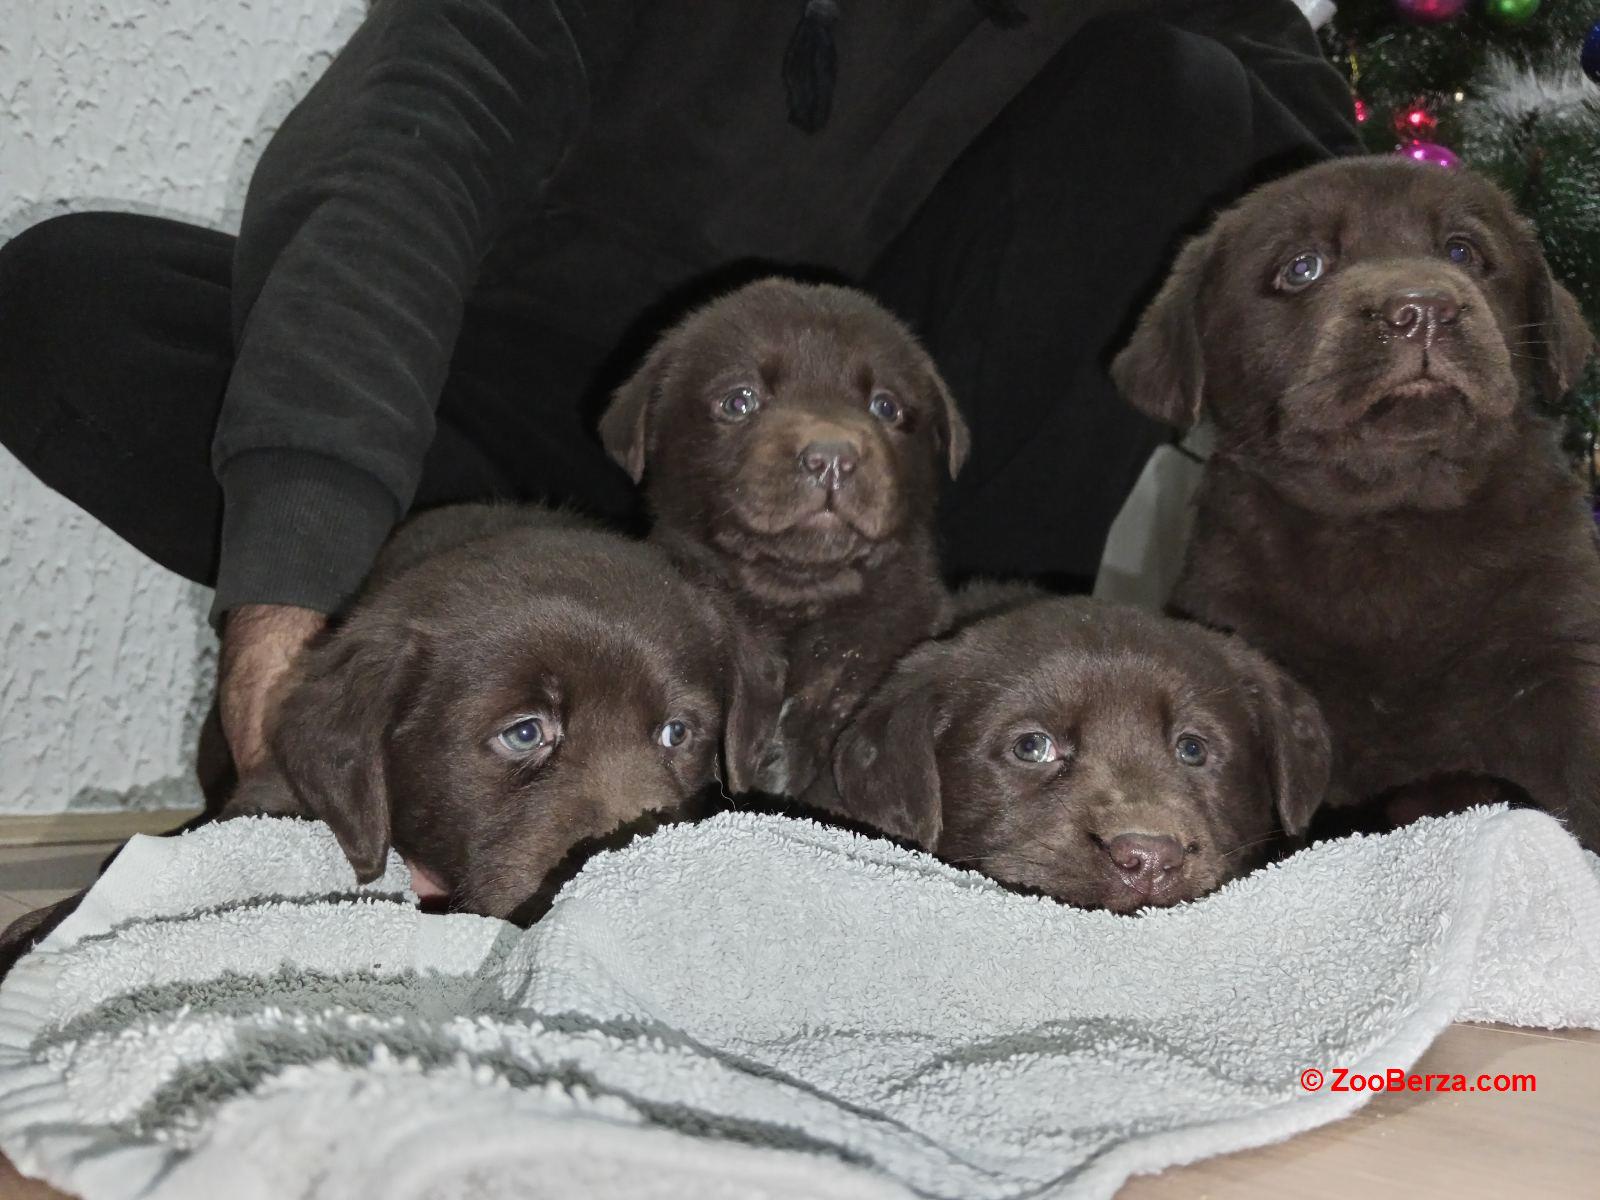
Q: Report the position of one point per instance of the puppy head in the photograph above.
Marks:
(795, 425)
(1364, 334)
(497, 706)
(1103, 756)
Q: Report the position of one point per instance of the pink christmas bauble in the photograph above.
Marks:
(1429, 12)
(1431, 153)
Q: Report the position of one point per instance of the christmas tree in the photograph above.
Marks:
(1512, 89)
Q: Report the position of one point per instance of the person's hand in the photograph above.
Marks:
(260, 643)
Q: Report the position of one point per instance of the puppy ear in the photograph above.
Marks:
(1568, 340)
(885, 765)
(1161, 371)
(625, 425)
(1298, 746)
(756, 673)
(332, 734)
(957, 438)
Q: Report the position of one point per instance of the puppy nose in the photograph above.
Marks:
(1422, 312)
(829, 462)
(1145, 860)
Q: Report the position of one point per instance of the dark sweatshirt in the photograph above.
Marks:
(590, 155)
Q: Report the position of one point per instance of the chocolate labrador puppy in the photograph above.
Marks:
(512, 685)
(513, 688)
(790, 439)
(1386, 512)
(1095, 753)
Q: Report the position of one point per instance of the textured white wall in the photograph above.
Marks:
(137, 105)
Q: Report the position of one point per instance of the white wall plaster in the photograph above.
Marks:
(156, 106)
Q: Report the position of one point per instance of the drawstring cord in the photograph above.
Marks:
(811, 61)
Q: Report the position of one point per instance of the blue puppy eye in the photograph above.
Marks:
(884, 407)
(1461, 252)
(1301, 270)
(1191, 751)
(740, 402)
(672, 734)
(1035, 748)
(525, 735)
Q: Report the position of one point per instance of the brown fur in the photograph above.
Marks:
(476, 618)
(1386, 513)
(840, 571)
(931, 757)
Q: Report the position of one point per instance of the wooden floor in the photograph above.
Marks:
(1540, 1145)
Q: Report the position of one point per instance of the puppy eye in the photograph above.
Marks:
(672, 735)
(885, 407)
(1191, 751)
(525, 736)
(1462, 252)
(1301, 271)
(741, 402)
(1035, 748)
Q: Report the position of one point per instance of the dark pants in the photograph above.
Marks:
(1022, 273)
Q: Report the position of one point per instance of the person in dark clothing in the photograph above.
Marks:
(474, 222)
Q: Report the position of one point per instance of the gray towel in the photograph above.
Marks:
(1149, 540)
(750, 1007)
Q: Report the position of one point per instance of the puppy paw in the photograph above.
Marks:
(772, 772)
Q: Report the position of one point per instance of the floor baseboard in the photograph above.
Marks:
(61, 829)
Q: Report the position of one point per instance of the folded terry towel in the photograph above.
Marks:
(749, 1007)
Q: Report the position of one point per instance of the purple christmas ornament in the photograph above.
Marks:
(1430, 12)
(1589, 56)
(1431, 153)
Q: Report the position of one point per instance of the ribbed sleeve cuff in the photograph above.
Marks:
(299, 529)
